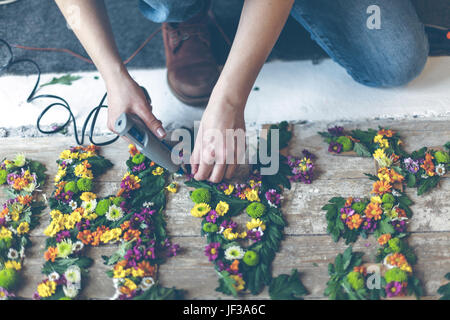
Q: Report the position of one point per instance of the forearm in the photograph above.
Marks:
(94, 32)
(259, 28)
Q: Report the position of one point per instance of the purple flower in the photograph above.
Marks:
(254, 235)
(273, 198)
(335, 147)
(212, 216)
(83, 225)
(308, 154)
(226, 224)
(139, 168)
(393, 289)
(411, 165)
(62, 235)
(5, 294)
(336, 131)
(347, 211)
(399, 225)
(369, 225)
(212, 251)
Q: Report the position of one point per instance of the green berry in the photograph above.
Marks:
(442, 157)
(71, 186)
(359, 206)
(210, 227)
(8, 278)
(102, 207)
(347, 144)
(395, 244)
(388, 198)
(138, 158)
(84, 184)
(356, 280)
(255, 209)
(395, 274)
(251, 258)
(201, 195)
(3, 176)
(117, 201)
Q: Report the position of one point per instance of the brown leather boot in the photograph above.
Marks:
(192, 71)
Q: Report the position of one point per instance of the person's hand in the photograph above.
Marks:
(214, 157)
(125, 95)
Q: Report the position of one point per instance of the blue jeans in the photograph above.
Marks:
(387, 57)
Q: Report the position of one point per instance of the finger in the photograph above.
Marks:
(231, 168)
(204, 171)
(217, 173)
(151, 121)
(194, 161)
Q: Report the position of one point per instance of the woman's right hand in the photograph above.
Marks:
(125, 95)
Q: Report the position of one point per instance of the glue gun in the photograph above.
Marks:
(132, 127)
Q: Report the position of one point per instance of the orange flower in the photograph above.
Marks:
(24, 200)
(354, 221)
(387, 133)
(131, 234)
(19, 183)
(121, 263)
(149, 270)
(133, 150)
(50, 254)
(349, 202)
(125, 225)
(235, 265)
(401, 213)
(383, 239)
(373, 210)
(85, 236)
(381, 187)
(91, 148)
(428, 165)
(126, 291)
(86, 164)
(4, 212)
(360, 269)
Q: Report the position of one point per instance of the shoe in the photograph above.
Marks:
(192, 70)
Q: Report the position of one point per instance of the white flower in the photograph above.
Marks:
(22, 252)
(234, 252)
(13, 254)
(89, 206)
(70, 290)
(54, 276)
(115, 213)
(148, 204)
(147, 283)
(440, 169)
(424, 176)
(395, 193)
(77, 246)
(30, 187)
(73, 274)
(12, 230)
(73, 204)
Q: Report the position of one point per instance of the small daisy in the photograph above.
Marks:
(13, 254)
(89, 206)
(77, 246)
(73, 274)
(395, 193)
(73, 204)
(70, 290)
(54, 276)
(148, 204)
(147, 283)
(115, 213)
(440, 169)
(234, 252)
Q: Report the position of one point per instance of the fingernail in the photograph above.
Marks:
(161, 132)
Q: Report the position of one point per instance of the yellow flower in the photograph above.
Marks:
(13, 265)
(255, 223)
(88, 196)
(240, 283)
(14, 215)
(137, 272)
(229, 235)
(46, 289)
(252, 195)
(55, 214)
(65, 154)
(384, 143)
(376, 199)
(173, 187)
(23, 228)
(229, 190)
(222, 208)
(119, 272)
(130, 284)
(200, 209)
(5, 233)
(379, 154)
(52, 229)
(158, 171)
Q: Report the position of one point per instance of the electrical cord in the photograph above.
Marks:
(61, 102)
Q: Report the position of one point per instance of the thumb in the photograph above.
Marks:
(151, 121)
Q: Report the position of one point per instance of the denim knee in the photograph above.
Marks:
(393, 70)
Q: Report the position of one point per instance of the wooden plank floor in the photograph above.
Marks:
(306, 247)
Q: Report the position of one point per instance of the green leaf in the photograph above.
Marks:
(287, 287)
(361, 150)
(226, 284)
(67, 80)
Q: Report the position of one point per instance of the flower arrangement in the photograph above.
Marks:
(243, 256)
(385, 214)
(79, 218)
(444, 290)
(18, 216)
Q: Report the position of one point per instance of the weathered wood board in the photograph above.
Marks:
(306, 247)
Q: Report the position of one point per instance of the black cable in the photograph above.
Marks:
(61, 103)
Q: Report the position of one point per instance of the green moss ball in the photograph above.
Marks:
(201, 195)
(71, 186)
(118, 200)
(251, 258)
(347, 144)
(84, 184)
(388, 198)
(359, 206)
(395, 274)
(442, 157)
(255, 209)
(102, 207)
(356, 280)
(210, 227)
(8, 278)
(3, 176)
(138, 158)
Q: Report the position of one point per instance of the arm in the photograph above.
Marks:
(95, 34)
(259, 28)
